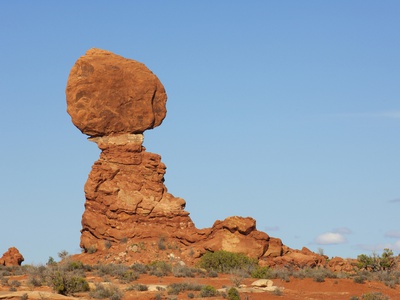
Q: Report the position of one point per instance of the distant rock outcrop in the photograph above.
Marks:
(128, 210)
(11, 257)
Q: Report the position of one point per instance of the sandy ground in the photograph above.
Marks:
(332, 289)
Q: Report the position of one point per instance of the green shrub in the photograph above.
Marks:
(224, 261)
(375, 262)
(208, 291)
(233, 294)
(74, 265)
(261, 272)
(66, 283)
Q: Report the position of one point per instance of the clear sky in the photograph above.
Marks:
(285, 111)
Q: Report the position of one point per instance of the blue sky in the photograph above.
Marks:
(286, 111)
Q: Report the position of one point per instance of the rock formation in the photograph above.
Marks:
(114, 100)
(11, 257)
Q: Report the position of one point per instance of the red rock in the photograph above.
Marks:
(114, 100)
(11, 257)
(109, 95)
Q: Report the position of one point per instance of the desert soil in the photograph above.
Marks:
(333, 289)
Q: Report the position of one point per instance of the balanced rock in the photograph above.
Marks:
(108, 94)
(11, 257)
(129, 215)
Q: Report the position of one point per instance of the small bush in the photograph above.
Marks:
(24, 296)
(66, 283)
(111, 292)
(224, 261)
(160, 268)
(182, 271)
(208, 291)
(374, 296)
(158, 297)
(176, 288)
(137, 287)
(359, 279)
(233, 294)
(161, 243)
(140, 268)
(261, 272)
(278, 292)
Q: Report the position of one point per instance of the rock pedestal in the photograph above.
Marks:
(126, 197)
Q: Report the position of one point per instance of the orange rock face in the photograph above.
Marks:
(128, 210)
(108, 94)
(11, 257)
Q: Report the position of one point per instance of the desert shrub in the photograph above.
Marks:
(91, 249)
(51, 262)
(4, 281)
(137, 287)
(282, 274)
(161, 243)
(140, 268)
(374, 296)
(176, 288)
(66, 283)
(160, 268)
(375, 262)
(190, 295)
(237, 276)
(183, 271)
(261, 272)
(224, 261)
(158, 297)
(233, 294)
(354, 298)
(37, 275)
(359, 279)
(15, 283)
(111, 270)
(208, 291)
(24, 296)
(212, 274)
(111, 292)
(277, 292)
(12, 289)
(74, 265)
(63, 254)
(107, 244)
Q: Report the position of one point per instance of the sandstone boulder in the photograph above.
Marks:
(109, 95)
(11, 257)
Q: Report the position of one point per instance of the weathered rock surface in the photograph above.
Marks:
(129, 214)
(11, 257)
(108, 94)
